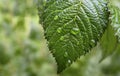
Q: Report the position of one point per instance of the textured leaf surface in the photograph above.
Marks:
(73, 27)
(111, 38)
(109, 41)
(115, 18)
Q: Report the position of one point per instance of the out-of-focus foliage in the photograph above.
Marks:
(23, 49)
(111, 38)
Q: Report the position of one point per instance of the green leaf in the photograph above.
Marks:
(109, 41)
(115, 18)
(73, 27)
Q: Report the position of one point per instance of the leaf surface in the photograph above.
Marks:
(73, 27)
(111, 38)
(115, 20)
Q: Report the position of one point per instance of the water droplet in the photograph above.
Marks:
(66, 54)
(75, 31)
(62, 38)
(59, 30)
(56, 17)
(98, 35)
(93, 41)
(69, 61)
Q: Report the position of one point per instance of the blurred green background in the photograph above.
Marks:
(24, 52)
